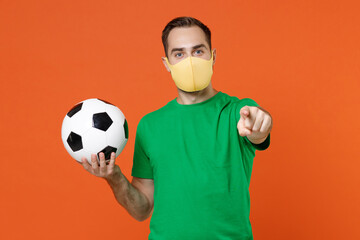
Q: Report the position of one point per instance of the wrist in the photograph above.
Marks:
(263, 145)
(115, 177)
(257, 140)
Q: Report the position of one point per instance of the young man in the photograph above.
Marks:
(193, 157)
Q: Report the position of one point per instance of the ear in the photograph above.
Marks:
(214, 56)
(165, 64)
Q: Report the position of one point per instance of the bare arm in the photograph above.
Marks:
(136, 197)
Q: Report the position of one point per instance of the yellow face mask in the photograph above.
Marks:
(192, 73)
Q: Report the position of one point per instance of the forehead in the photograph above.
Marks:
(186, 37)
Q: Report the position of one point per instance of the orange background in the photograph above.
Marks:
(297, 59)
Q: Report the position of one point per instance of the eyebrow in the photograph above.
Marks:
(194, 47)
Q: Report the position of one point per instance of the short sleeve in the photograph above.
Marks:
(249, 102)
(141, 161)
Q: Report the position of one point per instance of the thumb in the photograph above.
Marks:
(245, 112)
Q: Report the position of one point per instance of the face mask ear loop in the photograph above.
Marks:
(168, 64)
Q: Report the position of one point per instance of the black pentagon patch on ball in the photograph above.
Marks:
(101, 121)
(105, 101)
(126, 129)
(75, 142)
(75, 109)
(107, 152)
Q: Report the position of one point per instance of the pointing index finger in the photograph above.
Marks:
(245, 112)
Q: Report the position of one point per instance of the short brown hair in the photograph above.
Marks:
(184, 22)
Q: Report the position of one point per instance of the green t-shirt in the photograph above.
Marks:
(201, 168)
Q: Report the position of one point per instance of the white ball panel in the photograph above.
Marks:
(94, 105)
(82, 153)
(94, 140)
(80, 122)
(115, 113)
(115, 134)
(76, 155)
(87, 155)
(121, 147)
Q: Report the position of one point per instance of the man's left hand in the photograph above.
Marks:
(255, 123)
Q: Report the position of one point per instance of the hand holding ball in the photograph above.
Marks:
(94, 126)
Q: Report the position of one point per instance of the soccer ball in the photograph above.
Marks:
(94, 126)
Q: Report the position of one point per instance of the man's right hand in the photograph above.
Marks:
(105, 171)
(137, 197)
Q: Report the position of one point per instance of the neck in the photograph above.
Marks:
(186, 98)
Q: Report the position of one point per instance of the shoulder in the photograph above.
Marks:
(241, 102)
(248, 102)
(156, 115)
(237, 103)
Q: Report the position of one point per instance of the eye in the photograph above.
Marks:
(178, 55)
(198, 52)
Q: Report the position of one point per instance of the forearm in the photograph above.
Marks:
(134, 201)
